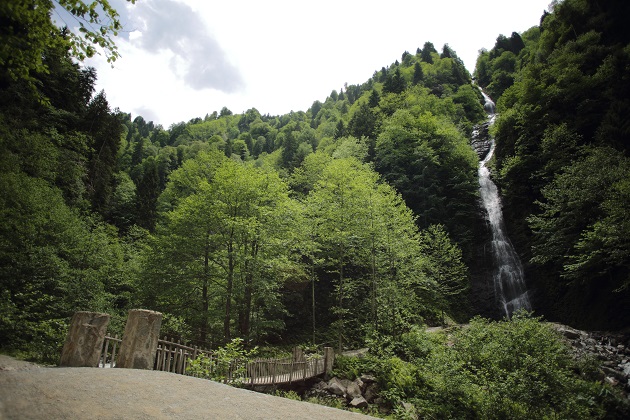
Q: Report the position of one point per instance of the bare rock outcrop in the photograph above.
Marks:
(611, 350)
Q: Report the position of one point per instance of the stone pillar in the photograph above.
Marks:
(329, 359)
(140, 340)
(84, 341)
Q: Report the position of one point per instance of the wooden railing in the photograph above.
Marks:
(108, 355)
(174, 357)
(279, 371)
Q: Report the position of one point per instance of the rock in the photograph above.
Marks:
(368, 379)
(480, 140)
(611, 381)
(321, 385)
(569, 333)
(619, 376)
(345, 382)
(358, 402)
(353, 391)
(356, 353)
(335, 387)
(360, 384)
(371, 392)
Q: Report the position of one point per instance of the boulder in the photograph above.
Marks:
(568, 332)
(371, 392)
(321, 385)
(358, 402)
(353, 391)
(358, 382)
(368, 379)
(335, 387)
(614, 373)
(345, 382)
(611, 381)
(356, 353)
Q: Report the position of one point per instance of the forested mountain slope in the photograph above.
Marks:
(354, 223)
(350, 220)
(562, 156)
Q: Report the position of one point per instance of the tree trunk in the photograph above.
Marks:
(374, 313)
(245, 315)
(313, 298)
(228, 293)
(340, 305)
(205, 306)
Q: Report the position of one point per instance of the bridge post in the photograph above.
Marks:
(329, 360)
(84, 341)
(140, 340)
(298, 354)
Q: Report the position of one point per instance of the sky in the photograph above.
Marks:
(183, 59)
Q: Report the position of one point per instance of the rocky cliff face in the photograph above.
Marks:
(480, 140)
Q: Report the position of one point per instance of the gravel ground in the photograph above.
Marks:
(29, 391)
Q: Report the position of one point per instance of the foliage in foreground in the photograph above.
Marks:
(229, 361)
(517, 369)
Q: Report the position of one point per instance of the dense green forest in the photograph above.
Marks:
(562, 157)
(349, 224)
(257, 226)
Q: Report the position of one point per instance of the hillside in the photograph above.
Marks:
(562, 157)
(354, 223)
(246, 225)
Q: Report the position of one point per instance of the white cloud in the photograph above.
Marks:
(183, 59)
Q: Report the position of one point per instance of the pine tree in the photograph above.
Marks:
(394, 83)
(418, 74)
(147, 194)
(426, 52)
(340, 130)
(375, 98)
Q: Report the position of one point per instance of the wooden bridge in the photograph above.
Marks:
(175, 357)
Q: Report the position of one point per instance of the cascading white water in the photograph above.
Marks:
(509, 283)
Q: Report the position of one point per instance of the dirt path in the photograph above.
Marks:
(29, 391)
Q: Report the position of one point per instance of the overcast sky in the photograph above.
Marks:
(183, 59)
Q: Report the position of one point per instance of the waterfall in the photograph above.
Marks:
(509, 283)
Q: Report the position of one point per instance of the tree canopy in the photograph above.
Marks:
(561, 150)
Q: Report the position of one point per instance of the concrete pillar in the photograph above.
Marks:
(84, 341)
(140, 340)
(329, 360)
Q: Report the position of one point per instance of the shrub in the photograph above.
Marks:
(291, 395)
(230, 360)
(517, 369)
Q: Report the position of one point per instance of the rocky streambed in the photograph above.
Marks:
(611, 350)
